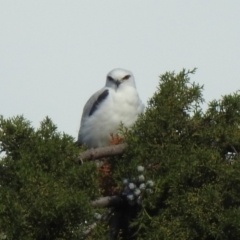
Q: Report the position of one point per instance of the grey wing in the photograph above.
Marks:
(94, 101)
(91, 106)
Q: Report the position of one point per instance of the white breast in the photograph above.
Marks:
(122, 105)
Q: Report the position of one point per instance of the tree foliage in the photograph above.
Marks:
(43, 193)
(191, 156)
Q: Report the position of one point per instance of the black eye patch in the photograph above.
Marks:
(126, 77)
(110, 79)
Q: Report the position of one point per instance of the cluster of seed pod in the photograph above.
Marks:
(135, 187)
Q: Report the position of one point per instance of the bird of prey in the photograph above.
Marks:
(117, 102)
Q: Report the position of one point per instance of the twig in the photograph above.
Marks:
(234, 149)
(97, 153)
(89, 229)
(104, 217)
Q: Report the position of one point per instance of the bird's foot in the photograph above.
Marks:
(115, 139)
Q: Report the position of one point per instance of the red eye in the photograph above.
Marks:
(126, 77)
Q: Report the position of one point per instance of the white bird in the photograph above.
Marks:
(117, 102)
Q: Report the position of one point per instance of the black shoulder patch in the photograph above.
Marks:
(100, 98)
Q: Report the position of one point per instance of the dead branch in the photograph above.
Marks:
(89, 229)
(108, 201)
(98, 153)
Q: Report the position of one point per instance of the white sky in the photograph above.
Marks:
(55, 54)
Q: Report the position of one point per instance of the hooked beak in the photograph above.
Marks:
(117, 83)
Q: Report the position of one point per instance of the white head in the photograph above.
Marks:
(120, 77)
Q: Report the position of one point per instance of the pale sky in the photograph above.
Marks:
(55, 54)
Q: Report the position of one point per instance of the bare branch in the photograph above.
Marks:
(108, 201)
(89, 229)
(234, 149)
(98, 153)
(104, 217)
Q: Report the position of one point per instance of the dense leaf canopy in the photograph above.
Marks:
(191, 156)
(43, 193)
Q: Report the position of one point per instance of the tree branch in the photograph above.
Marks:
(104, 217)
(89, 229)
(97, 153)
(108, 201)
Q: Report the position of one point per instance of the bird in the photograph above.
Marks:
(117, 102)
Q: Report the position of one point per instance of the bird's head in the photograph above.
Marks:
(120, 77)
